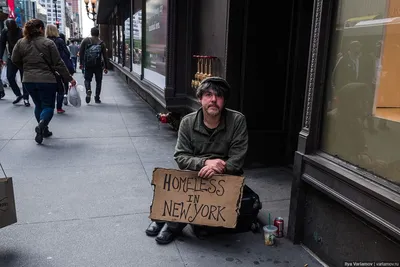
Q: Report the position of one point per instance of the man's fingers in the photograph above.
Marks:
(209, 173)
(202, 171)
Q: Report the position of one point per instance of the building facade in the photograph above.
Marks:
(55, 13)
(318, 87)
(76, 28)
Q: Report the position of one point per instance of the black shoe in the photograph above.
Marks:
(166, 235)
(39, 132)
(154, 228)
(2, 94)
(26, 103)
(97, 100)
(46, 132)
(18, 99)
(88, 96)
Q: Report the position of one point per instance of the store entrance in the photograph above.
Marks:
(274, 75)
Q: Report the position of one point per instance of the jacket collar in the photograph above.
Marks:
(199, 124)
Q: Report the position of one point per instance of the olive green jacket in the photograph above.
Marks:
(229, 142)
(27, 57)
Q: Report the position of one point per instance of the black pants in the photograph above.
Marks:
(98, 73)
(12, 70)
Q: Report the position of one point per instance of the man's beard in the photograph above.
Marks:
(214, 111)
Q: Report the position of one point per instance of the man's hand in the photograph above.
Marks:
(105, 71)
(80, 66)
(218, 165)
(207, 172)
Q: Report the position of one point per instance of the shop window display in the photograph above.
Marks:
(137, 42)
(362, 115)
(127, 33)
(156, 42)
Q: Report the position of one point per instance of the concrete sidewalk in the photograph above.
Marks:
(83, 196)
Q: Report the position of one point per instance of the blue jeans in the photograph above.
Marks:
(44, 97)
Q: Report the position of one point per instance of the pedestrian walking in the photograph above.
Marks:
(53, 34)
(9, 37)
(93, 55)
(74, 49)
(34, 53)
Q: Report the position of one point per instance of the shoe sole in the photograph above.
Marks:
(149, 233)
(164, 242)
(39, 135)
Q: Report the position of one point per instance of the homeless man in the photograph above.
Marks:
(212, 140)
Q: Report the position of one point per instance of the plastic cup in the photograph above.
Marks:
(269, 234)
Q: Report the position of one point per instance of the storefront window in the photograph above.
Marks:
(114, 40)
(115, 44)
(127, 33)
(121, 45)
(156, 42)
(137, 42)
(362, 114)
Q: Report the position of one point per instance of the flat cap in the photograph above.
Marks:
(215, 79)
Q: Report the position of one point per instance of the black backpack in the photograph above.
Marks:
(93, 55)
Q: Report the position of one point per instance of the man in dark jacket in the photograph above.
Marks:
(213, 140)
(10, 36)
(93, 59)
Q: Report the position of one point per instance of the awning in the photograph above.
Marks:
(104, 10)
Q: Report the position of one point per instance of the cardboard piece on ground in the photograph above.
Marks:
(8, 214)
(182, 196)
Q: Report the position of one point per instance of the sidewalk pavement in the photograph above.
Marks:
(83, 197)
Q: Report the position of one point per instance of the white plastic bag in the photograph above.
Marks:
(74, 97)
(4, 74)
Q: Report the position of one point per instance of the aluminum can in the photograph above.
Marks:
(280, 224)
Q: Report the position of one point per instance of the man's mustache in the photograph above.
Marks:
(215, 106)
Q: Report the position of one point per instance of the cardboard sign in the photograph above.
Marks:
(182, 196)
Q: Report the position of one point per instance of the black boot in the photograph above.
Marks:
(46, 132)
(88, 92)
(97, 99)
(39, 132)
(18, 99)
(154, 228)
(2, 94)
(167, 235)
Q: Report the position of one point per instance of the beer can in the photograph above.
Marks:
(279, 223)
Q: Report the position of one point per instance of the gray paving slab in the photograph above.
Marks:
(13, 118)
(274, 183)
(150, 166)
(109, 241)
(68, 152)
(155, 148)
(82, 123)
(244, 249)
(68, 193)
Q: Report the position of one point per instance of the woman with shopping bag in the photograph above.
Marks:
(42, 65)
(53, 34)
